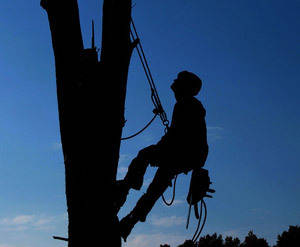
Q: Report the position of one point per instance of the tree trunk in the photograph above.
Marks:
(91, 99)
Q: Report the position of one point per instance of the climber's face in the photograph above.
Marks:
(178, 96)
(178, 91)
(186, 85)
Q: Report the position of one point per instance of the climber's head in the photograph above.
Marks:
(186, 85)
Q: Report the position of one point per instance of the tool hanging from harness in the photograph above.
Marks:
(199, 187)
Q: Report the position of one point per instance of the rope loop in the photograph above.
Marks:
(199, 229)
(173, 196)
(139, 132)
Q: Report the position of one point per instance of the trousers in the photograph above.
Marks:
(169, 165)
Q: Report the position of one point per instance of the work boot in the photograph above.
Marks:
(127, 224)
(121, 191)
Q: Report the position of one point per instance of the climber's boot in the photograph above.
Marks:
(127, 224)
(121, 191)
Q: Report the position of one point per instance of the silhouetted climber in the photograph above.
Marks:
(182, 149)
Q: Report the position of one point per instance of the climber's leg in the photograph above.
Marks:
(135, 175)
(136, 170)
(163, 178)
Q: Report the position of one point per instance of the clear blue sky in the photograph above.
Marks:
(248, 55)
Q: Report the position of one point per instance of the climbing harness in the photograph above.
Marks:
(199, 187)
(158, 109)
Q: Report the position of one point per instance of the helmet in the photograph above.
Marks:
(187, 83)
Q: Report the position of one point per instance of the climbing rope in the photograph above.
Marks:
(199, 230)
(139, 132)
(199, 217)
(154, 94)
(158, 109)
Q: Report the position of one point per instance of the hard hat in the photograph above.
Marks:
(188, 83)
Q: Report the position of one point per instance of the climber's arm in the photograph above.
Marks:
(175, 129)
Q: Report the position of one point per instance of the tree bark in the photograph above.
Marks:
(91, 99)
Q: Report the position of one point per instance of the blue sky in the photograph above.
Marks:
(248, 56)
